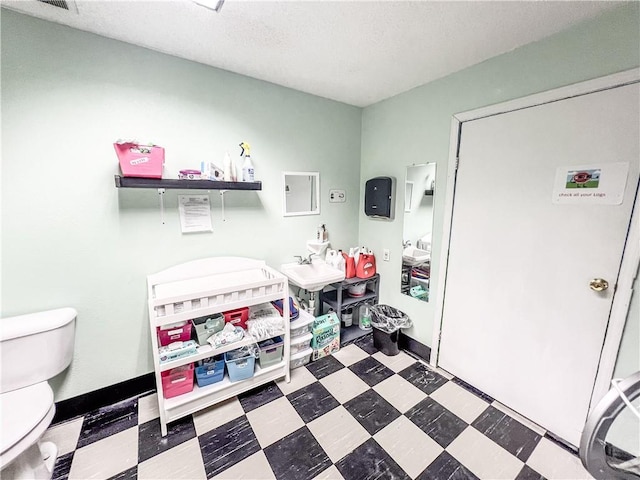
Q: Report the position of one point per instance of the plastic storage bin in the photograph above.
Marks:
(175, 333)
(298, 344)
(177, 381)
(301, 326)
(140, 160)
(237, 317)
(270, 351)
(210, 370)
(300, 358)
(207, 326)
(239, 365)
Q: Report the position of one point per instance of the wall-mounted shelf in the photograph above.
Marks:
(136, 182)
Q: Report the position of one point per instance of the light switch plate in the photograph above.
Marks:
(337, 196)
(386, 255)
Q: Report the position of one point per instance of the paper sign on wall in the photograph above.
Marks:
(591, 184)
(195, 213)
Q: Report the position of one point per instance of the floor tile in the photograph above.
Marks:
(523, 420)
(423, 377)
(371, 371)
(274, 420)
(312, 401)
(330, 473)
(456, 399)
(510, 434)
(483, 457)
(444, 373)
(64, 435)
(62, 467)
(300, 377)
(368, 462)
(445, 467)
(324, 367)
(399, 393)
(181, 462)
(554, 462)
(344, 385)
(217, 415)
(366, 344)
(338, 433)
(372, 411)
(255, 467)
(436, 421)
(150, 439)
(473, 390)
(148, 408)
(528, 473)
(396, 362)
(129, 474)
(298, 456)
(108, 421)
(409, 446)
(107, 457)
(350, 354)
(227, 445)
(259, 396)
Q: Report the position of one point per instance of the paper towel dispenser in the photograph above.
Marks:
(379, 194)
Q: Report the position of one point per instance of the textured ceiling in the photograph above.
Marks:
(355, 52)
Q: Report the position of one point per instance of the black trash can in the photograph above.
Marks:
(387, 322)
(387, 343)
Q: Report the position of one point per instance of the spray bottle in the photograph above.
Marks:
(247, 166)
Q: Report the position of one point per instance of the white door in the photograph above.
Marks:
(520, 321)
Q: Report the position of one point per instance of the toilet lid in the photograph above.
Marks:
(22, 410)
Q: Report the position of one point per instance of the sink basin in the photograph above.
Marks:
(312, 277)
(415, 256)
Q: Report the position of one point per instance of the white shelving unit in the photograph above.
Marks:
(204, 287)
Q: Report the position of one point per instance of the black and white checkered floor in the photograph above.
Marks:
(356, 415)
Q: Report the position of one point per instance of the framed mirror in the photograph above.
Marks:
(301, 192)
(416, 230)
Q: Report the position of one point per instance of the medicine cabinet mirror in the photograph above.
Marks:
(416, 231)
(301, 193)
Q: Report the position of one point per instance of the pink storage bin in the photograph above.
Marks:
(180, 333)
(237, 317)
(177, 381)
(140, 160)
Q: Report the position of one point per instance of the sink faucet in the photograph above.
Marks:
(304, 261)
(406, 244)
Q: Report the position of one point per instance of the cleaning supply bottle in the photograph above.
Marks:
(248, 173)
(229, 174)
(365, 317)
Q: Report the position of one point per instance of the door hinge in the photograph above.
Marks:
(457, 163)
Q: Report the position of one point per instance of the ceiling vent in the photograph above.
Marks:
(63, 4)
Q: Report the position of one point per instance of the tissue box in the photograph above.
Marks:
(326, 335)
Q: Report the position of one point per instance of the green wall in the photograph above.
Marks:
(70, 238)
(414, 127)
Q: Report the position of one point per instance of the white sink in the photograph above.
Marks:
(415, 256)
(312, 277)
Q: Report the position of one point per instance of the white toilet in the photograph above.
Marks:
(33, 349)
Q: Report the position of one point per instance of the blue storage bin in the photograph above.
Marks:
(210, 370)
(240, 365)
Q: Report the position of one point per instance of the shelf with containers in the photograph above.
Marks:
(365, 291)
(204, 288)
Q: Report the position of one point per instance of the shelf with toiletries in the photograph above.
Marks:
(350, 294)
(208, 288)
(171, 183)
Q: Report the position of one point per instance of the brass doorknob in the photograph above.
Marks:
(598, 284)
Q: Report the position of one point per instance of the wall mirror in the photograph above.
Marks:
(416, 231)
(301, 193)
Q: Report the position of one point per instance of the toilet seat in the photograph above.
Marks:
(26, 414)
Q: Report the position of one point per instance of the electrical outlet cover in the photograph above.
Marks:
(337, 196)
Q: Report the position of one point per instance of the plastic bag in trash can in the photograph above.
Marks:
(389, 319)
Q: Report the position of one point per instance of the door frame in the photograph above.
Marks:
(631, 253)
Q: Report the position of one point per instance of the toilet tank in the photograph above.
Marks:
(35, 347)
